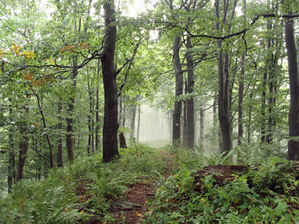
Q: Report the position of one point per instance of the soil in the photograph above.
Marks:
(140, 194)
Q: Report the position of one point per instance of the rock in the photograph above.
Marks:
(125, 205)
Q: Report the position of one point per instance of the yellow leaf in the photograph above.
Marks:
(28, 54)
(16, 49)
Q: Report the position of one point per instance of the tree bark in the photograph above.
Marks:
(241, 90)
(139, 121)
(202, 124)
(11, 175)
(179, 82)
(97, 128)
(223, 112)
(59, 137)
(110, 147)
(190, 122)
(23, 147)
(133, 117)
(293, 145)
(70, 118)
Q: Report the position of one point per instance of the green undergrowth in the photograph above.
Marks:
(267, 193)
(76, 192)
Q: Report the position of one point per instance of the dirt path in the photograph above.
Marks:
(132, 206)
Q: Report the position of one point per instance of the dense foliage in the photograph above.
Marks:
(74, 76)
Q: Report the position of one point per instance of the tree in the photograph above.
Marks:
(293, 145)
(110, 147)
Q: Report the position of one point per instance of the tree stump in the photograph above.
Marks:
(122, 141)
(220, 173)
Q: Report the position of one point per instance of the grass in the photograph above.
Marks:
(79, 191)
(87, 188)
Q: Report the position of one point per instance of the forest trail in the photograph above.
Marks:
(132, 206)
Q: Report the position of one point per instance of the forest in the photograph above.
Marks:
(149, 111)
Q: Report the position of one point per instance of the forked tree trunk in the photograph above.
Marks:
(293, 145)
(110, 147)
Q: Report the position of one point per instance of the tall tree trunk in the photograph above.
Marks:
(133, 117)
(202, 124)
(110, 147)
(139, 121)
(59, 137)
(23, 146)
(249, 121)
(97, 128)
(11, 176)
(176, 126)
(241, 89)
(185, 118)
(293, 145)
(70, 118)
(190, 121)
(90, 116)
(223, 113)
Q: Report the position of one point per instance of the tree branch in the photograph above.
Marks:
(128, 69)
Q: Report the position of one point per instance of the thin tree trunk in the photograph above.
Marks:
(70, 119)
(176, 126)
(241, 89)
(139, 121)
(133, 118)
(23, 147)
(11, 175)
(185, 118)
(110, 147)
(293, 145)
(202, 124)
(39, 103)
(59, 137)
(190, 121)
(90, 115)
(97, 129)
(249, 122)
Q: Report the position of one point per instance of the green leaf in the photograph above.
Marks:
(281, 207)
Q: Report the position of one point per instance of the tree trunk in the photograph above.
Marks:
(59, 137)
(23, 147)
(176, 126)
(241, 90)
(133, 118)
(249, 121)
(90, 144)
(11, 175)
(190, 122)
(185, 118)
(202, 124)
(70, 118)
(110, 147)
(240, 102)
(293, 145)
(139, 121)
(97, 128)
(223, 113)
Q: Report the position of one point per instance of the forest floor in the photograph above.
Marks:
(132, 206)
